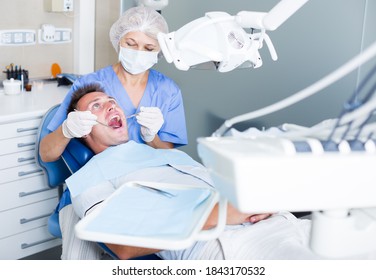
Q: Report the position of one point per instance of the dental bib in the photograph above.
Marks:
(123, 159)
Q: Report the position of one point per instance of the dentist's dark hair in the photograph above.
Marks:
(82, 91)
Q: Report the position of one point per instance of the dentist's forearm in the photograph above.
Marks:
(53, 145)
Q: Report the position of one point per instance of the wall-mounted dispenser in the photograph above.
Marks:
(58, 5)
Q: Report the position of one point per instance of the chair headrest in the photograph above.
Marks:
(76, 154)
(55, 171)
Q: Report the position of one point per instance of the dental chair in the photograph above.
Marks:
(73, 158)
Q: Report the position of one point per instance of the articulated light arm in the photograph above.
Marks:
(272, 20)
(154, 4)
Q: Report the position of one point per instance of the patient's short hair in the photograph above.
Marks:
(80, 92)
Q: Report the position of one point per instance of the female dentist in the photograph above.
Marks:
(154, 98)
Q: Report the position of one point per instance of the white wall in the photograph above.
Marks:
(38, 58)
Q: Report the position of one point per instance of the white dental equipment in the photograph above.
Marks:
(219, 41)
(269, 173)
(334, 179)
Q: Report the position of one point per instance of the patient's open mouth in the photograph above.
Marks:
(115, 122)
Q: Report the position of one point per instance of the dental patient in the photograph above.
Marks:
(117, 161)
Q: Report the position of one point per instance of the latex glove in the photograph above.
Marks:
(78, 124)
(151, 121)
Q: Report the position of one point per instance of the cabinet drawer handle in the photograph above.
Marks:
(25, 221)
(22, 194)
(22, 159)
(28, 245)
(20, 145)
(26, 129)
(24, 173)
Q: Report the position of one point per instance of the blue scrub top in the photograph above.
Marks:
(160, 92)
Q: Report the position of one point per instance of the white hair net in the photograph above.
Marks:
(140, 18)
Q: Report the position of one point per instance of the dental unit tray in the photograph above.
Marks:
(267, 174)
(251, 172)
(151, 215)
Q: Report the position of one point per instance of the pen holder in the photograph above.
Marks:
(17, 75)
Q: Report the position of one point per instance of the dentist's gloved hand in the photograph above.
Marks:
(78, 124)
(151, 121)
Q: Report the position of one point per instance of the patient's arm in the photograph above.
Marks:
(128, 252)
(53, 145)
(234, 217)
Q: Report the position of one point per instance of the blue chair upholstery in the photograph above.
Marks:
(56, 172)
(76, 154)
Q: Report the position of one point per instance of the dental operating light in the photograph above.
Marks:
(219, 41)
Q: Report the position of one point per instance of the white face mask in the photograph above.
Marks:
(136, 62)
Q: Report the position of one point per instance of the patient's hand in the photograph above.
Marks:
(259, 217)
(234, 217)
